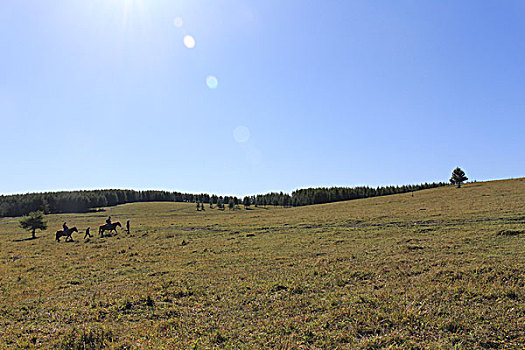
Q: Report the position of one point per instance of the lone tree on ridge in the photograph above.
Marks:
(458, 176)
(35, 221)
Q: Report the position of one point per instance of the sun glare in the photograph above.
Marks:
(212, 81)
(127, 7)
(178, 22)
(241, 134)
(189, 42)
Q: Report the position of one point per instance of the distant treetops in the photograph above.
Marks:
(84, 201)
(458, 177)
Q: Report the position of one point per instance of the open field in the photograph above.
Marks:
(442, 269)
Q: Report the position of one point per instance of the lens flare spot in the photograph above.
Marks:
(241, 134)
(189, 42)
(178, 22)
(212, 82)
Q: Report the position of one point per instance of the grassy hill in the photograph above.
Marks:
(442, 268)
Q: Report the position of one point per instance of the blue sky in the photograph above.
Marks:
(105, 94)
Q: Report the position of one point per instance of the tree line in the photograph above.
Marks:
(335, 194)
(320, 195)
(83, 201)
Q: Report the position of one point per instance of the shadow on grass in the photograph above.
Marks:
(25, 239)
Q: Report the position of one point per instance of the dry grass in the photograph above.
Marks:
(442, 269)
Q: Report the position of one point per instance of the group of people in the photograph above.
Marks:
(88, 234)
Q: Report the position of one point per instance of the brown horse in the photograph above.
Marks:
(66, 234)
(109, 227)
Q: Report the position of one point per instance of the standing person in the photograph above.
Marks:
(127, 226)
(108, 220)
(87, 233)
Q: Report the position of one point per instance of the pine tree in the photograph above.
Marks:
(35, 221)
(246, 202)
(458, 176)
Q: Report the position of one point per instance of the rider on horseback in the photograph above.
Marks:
(64, 226)
(109, 226)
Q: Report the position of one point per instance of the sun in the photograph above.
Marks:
(127, 8)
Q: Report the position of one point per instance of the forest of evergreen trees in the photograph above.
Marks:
(320, 195)
(335, 194)
(83, 201)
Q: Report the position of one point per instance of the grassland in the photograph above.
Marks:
(442, 269)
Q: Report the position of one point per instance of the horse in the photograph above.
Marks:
(109, 227)
(66, 234)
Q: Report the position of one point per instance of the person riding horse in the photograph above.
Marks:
(108, 220)
(66, 233)
(109, 226)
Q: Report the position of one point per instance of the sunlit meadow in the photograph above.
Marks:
(439, 269)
